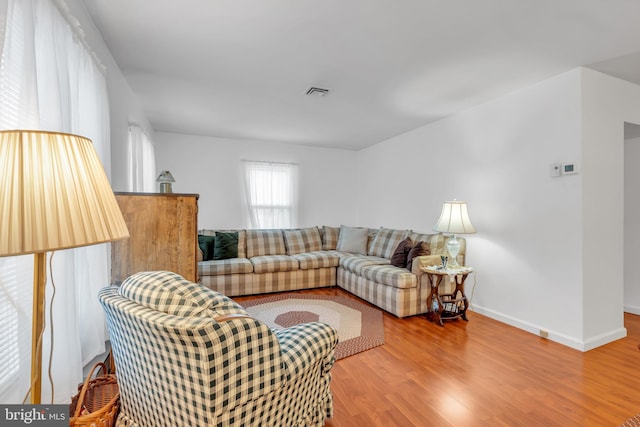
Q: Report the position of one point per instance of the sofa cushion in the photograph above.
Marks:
(273, 263)
(265, 242)
(399, 256)
(227, 266)
(339, 254)
(353, 240)
(390, 275)
(171, 293)
(386, 241)
(355, 263)
(302, 240)
(226, 245)
(319, 259)
(329, 237)
(419, 249)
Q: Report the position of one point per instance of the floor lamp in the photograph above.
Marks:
(54, 194)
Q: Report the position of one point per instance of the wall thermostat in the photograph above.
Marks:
(560, 169)
(569, 168)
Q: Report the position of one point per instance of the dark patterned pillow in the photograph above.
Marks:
(225, 246)
(206, 244)
(420, 249)
(399, 257)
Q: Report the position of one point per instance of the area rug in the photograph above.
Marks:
(359, 326)
(632, 422)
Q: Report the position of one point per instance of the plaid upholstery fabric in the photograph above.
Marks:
(242, 239)
(386, 241)
(267, 283)
(293, 280)
(310, 386)
(340, 254)
(355, 263)
(329, 237)
(401, 302)
(317, 278)
(193, 371)
(265, 242)
(273, 263)
(370, 236)
(251, 284)
(225, 266)
(302, 240)
(436, 242)
(317, 259)
(170, 293)
(390, 275)
(230, 284)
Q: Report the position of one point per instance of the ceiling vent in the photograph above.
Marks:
(317, 91)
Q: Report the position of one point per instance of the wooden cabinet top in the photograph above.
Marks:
(127, 193)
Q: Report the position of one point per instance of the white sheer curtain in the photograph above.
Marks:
(49, 81)
(271, 194)
(141, 161)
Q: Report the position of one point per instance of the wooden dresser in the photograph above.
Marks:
(164, 235)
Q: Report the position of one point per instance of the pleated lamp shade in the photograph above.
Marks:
(454, 219)
(54, 194)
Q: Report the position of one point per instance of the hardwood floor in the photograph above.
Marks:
(483, 373)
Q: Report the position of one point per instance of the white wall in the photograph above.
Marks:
(549, 251)
(607, 103)
(210, 167)
(631, 222)
(497, 157)
(124, 106)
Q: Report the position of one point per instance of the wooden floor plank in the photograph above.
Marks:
(483, 373)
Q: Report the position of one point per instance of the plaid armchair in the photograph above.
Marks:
(189, 356)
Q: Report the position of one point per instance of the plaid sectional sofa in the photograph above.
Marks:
(189, 356)
(291, 259)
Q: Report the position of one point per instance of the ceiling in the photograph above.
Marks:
(240, 69)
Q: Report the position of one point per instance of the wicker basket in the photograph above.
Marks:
(97, 402)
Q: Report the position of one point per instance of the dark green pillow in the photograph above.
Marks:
(206, 244)
(226, 245)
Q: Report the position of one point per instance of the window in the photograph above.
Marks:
(15, 336)
(49, 80)
(270, 190)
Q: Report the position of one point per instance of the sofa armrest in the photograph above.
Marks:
(424, 261)
(305, 344)
(427, 260)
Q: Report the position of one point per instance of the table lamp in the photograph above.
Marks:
(454, 219)
(54, 194)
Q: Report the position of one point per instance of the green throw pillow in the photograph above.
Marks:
(206, 244)
(226, 246)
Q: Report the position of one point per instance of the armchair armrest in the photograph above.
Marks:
(304, 345)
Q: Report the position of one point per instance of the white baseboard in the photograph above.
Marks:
(554, 336)
(632, 309)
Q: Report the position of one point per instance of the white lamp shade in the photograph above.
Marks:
(54, 194)
(454, 219)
